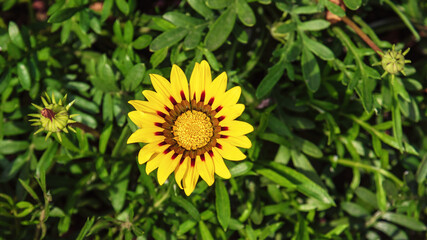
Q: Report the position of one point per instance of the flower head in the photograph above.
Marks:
(53, 117)
(190, 128)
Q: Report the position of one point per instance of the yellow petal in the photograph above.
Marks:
(190, 179)
(149, 149)
(200, 80)
(229, 151)
(235, 128)
(181, 170)
(145, 106)
(205, 167)
(230, 113)
(229, 98)
(158, 101)
(153, 163)
(136, 117)
(146, 135)
(179, 84)
(239, 141)
(217, 87)
(195, 85)
(167, 166)
(161, 85)
(220, 168)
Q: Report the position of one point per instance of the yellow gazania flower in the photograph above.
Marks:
(190, 129)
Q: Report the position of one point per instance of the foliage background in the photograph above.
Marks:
(338, 152)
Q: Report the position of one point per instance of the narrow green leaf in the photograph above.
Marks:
(217, 4)
(404, 221)
(15, 35)
(422, 170)
(106, 9)
(47, 158)
(128, 32)
(23, 75)
(101, 169)
(302, 231)
(8, 4)
(182, 20)
(29, 190)
(158, 57)
(276, 177)
(381, 195)
(334, 8)
(193, 38)
(204, 231)
(86, 228)
(317, 48)
(187, 206)
(168, 38)
(310, 70)
(245, 13)
(119, 177)
(64, 14)
(314, 25)
(270, 80)
(355, 209)
(8, 147)
(222, 203)
(186, 226)
(105, 136)
(123, 6)
(221, 29)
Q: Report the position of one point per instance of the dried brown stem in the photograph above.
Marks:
(361, 34)
(85, 128)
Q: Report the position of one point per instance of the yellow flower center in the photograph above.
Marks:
(193, 130)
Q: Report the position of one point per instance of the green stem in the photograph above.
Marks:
(385, 173)
(404, 19)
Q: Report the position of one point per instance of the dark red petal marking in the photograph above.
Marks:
(193, 162)
(167, 150)
(218, 108)
(47, 113)
(194, 95)
(174, 156)
(159, 124)
(182, 95)
(182, 159)
(161, 114)
(211, 153)
(162, 143)
(158, 133)
(167, 109)
(218, 145)
(202, 157)
(224, 128)
(221, 118)
(173, 100)
(223, 136)
(211, 101)
(202, 96)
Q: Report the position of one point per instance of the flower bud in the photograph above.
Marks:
(53, 117)
(393, 61)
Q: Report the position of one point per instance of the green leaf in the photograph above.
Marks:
(391, 230)
(29, 190)
(15, 35)
(221, 29)
(217, 4)
(355, 209)
(187, 206)
(105, 136)
(64, 14)
(85, 230)
(23, 75)
(245, 13)
(270, 80)
(276, 177)
(404, 221)
(334, 8)
(204, 231)
(8, 147)
(123, 6)
(241, 168)
(381, 195)
(310, 70)
(8, 4)
(134, 77)
(101, 169)
(128, 32)
(302, 231)
(314, 25)
(422, 170)
(105, 80)
(168, 38)
(47, 158)
(200, 7)
(193, 38)
(353, 4)
(182, 20)
(106, 9)
(158, 57)
(142, 42)
(222, 203)
(186, 226)
(119, 177)
(317, 48)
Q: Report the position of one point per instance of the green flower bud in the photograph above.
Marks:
(393, 61)
(53, 117)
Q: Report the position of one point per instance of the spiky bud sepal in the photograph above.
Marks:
(393, 61)
(53, 117)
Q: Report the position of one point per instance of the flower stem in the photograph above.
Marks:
(361, 34)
